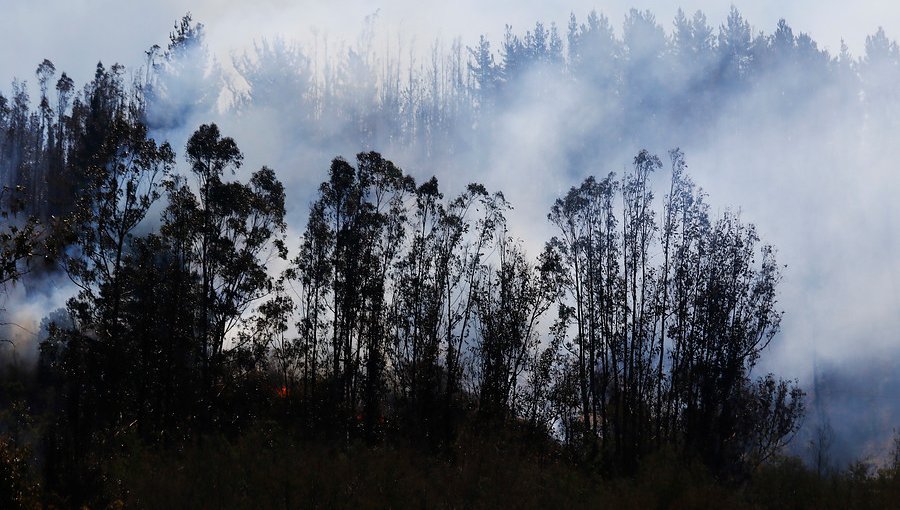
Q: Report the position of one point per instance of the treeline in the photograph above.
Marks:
(651, 79)
(408, 312)
(47, 152)
(444, 106)
(404, 316)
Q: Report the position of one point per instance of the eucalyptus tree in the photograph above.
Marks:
(119, 193)
(353, 238)
(588, 246)
(668, 321)
(436, 284)
(183, 82)
(19, 239)
(511, 300)
(224, 233)
(119, 172)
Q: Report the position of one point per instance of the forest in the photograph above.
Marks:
(371, 336)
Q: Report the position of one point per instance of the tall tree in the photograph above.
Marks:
(225, 234)
(662, 354)
(184, 82)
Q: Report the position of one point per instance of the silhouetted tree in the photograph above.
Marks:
(19, 240)
(183, 82)
(663, 354)
(226, 234)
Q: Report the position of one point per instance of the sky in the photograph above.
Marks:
(74, 34)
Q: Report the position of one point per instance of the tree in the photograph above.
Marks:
(589, 248)
(18, 240)
(17, 487)
(694, 64)
(161, 356)
(879, 70)
(184, 82)
(663, 354)
(275, 72)
(437, 281)
(224, 236)
(352, 241)
(721, 313)
(734, 49)
(120, 190)
(510, 302)
(91, 363)
(594, 51)
(485, 71)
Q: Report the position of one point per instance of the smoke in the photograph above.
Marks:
(797, 155)
(26, 311)
(800, 151)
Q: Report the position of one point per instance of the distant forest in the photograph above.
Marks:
(442, 106)
(410, 315)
